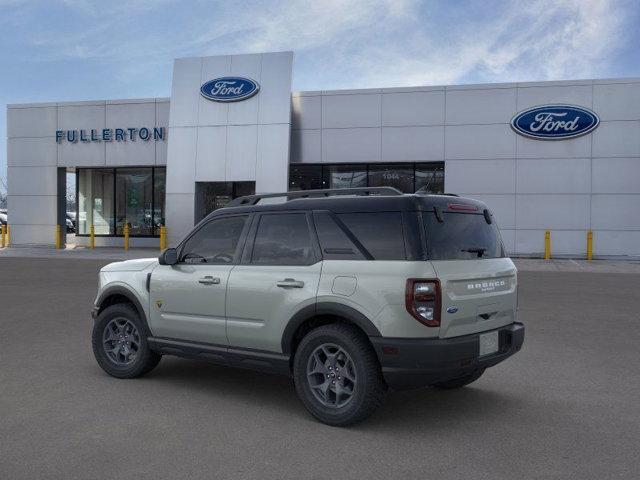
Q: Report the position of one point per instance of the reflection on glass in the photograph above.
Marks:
(305, 177)
(396, 175)
(95, 201)
(134, 193)
(430, 178)
(109, 198)
(344, 176)
(213, 195)
(159, 193)
(406, 177)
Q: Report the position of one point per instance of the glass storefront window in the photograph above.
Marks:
(397, 175)
(213, 195)
(134, 193)
(406, 177)
(109, 198)
(430, 178)
(159, 193)
(344, 176)
(305, 177)
(95, 201)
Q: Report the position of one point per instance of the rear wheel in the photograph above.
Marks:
(337, 375)
(120, 343)
(460, 381)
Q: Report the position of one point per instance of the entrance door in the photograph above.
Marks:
(213, 195)
(187, 300)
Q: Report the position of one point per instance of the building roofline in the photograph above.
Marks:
(117, 101)
(471, 86)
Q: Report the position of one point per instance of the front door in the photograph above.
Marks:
(279, 276)
(187, 300)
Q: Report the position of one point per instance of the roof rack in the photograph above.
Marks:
(360, 191)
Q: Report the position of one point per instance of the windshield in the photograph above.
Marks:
(461, 236)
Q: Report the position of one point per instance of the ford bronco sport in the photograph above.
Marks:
(350, 291)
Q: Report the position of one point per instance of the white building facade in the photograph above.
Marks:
(233, 127)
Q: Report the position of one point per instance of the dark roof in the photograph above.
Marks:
(356, 204)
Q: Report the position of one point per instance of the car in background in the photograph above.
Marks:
(3, 217)
(71, 222)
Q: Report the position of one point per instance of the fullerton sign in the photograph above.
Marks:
(110, 135)
(555, 122)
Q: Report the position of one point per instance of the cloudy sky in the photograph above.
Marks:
(86, 49)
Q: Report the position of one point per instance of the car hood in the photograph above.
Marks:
(130, 265)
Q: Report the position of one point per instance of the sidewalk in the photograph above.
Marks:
(523, 264)
(100, 253)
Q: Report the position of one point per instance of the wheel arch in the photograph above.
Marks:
(119, 294)
(323, 313)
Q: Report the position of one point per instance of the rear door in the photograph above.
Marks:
(278, 276)
(478, 281)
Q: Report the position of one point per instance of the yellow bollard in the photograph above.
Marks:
(8, 234)
(58, 236)
(163, 237)
(4, 235)
(547, 244)
(126, 236)
(589, 245)
(92, 237)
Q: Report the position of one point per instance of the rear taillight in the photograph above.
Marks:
(422, 298)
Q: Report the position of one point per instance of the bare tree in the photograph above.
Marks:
(3, 193)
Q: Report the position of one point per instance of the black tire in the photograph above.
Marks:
(369, 388)
(143, 361)
(460, 381)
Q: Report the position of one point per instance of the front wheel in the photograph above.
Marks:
(337, 375)
(120, 343)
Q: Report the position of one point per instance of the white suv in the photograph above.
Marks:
(349, 291)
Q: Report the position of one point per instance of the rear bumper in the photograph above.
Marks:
(416, 362)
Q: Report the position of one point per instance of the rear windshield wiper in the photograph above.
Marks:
(477, 250)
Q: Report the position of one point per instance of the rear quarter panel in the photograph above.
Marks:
(379, 292)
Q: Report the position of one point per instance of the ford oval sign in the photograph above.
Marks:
(555, 122)
(229, 89)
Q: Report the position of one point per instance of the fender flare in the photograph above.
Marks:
(326, 308)
(129, 295)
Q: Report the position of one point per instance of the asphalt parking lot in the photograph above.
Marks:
(567, 406)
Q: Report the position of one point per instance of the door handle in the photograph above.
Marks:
(290, 283)
(209, 280)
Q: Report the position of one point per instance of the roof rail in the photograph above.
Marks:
(360, 191)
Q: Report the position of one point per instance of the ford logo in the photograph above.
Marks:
(452, 309)
(229, 89)
(555, 122)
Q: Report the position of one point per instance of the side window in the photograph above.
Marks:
(379, 232)
(283, 239)
(334, 242)
(216, 242)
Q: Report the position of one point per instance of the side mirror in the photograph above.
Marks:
(168, 257)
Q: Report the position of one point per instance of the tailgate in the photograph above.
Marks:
(477, 295)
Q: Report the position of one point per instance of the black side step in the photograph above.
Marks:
(270, 362)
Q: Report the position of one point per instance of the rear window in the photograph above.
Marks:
(461, 236)
(380, 233)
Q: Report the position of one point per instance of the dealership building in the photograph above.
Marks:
(560, 156)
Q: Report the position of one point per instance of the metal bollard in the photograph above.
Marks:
(4, 235)
(547, 244)
(126, 236)
(92, 237)
(589, 245)
(58, 236)
(163, 237)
